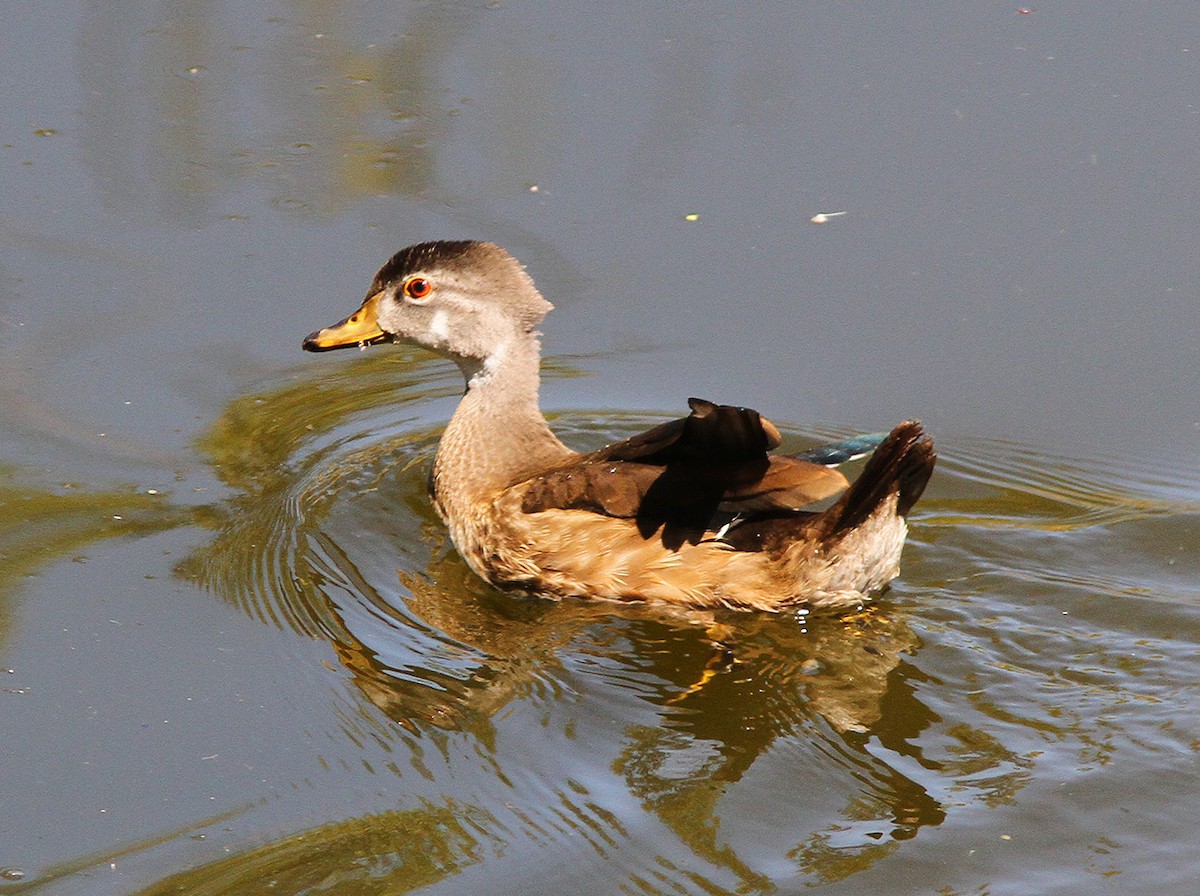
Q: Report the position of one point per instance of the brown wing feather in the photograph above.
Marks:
(787, 484)
(613, 488)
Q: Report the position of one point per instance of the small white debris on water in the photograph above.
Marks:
(823, 217)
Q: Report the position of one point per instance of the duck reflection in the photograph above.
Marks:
(729, 688)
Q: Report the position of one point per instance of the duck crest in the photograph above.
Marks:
(445, 253)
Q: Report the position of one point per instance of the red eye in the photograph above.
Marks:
(417, 288)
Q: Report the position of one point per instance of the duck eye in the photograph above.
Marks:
(417, 288)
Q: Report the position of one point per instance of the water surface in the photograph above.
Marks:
(239, 655)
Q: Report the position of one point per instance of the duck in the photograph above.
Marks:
(696, 512)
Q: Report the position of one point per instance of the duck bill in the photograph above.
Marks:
(361, 328)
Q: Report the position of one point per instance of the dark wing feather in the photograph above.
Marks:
(902, 464)
(651, 443)
(712, 432)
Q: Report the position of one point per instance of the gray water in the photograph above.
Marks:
(239, 655)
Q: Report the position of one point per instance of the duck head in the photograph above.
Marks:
(464, 300)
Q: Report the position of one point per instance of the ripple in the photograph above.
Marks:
(1031, 488)
(331, 534)
(577, 726)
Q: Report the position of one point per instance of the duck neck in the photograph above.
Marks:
(497, 432)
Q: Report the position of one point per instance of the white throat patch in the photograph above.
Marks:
(490, 365)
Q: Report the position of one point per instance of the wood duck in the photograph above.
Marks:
(693, 512)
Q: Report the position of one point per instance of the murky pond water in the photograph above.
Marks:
(237, 651)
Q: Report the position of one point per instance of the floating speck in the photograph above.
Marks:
(691, 217)
(823, 217)
(289, 204)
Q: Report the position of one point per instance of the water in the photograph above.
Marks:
(237, 652)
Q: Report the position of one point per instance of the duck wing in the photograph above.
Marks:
(679, 475)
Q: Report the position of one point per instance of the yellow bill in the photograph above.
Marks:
(360, 328)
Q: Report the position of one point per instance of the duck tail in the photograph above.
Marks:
(901, 466)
